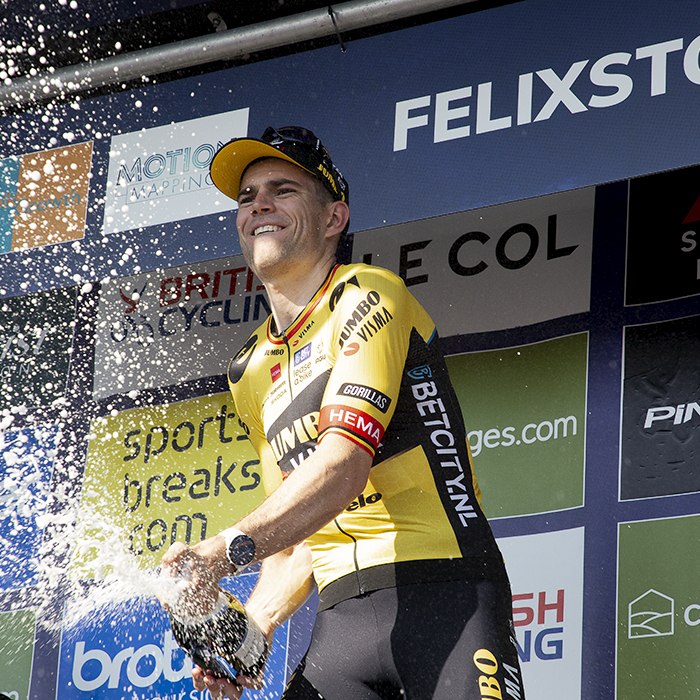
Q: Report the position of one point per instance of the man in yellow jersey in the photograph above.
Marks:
(345, 396)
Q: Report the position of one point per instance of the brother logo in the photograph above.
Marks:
(94, 668)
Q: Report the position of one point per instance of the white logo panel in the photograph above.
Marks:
(489, 269)
(161, 175)
(546, 575)
(165, 327)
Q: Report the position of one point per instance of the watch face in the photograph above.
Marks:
(241, 550)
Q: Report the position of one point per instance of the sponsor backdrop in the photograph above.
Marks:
(658, 605)
(17, 642)
(530, 171)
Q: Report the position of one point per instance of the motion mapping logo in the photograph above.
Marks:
(161, 175)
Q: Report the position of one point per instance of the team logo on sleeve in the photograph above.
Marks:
(379, 400)
(241, 360)
(338, 291)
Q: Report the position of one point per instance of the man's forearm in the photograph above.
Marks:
(309, 498)
(285, 583)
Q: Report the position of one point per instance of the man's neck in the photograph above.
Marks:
(289, 297)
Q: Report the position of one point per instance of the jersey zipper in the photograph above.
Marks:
(289, 365)
(360, 585)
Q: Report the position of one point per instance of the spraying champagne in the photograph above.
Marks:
(226, 643)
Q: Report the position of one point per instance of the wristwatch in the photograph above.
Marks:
(240, 548)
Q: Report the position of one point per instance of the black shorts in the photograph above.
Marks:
(450, 640)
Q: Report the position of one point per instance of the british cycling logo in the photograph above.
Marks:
(651, 615)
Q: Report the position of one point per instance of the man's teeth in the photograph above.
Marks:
(267, 229)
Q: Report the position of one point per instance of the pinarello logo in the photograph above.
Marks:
(276, 372)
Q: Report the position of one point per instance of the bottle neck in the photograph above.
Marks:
(188, 619)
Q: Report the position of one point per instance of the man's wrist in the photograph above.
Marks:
(240, 548)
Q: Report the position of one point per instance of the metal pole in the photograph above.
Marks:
(220, 46)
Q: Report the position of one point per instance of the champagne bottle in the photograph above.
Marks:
(226, 643)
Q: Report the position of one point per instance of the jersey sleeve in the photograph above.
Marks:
(373, 319)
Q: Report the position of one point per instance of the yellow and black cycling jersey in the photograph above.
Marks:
(363, 360)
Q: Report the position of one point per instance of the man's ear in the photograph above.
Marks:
(338, 217)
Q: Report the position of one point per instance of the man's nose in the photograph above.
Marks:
(262, 203)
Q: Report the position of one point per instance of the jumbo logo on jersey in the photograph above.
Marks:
(361, 323)
(303, 430)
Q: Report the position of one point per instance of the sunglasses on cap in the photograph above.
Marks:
(303, 146)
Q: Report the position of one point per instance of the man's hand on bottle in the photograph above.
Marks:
(221, 688)
(197, 571)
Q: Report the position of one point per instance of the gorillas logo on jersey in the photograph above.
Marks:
(241, 360)
(366, 393)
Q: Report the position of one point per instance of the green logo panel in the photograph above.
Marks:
(525, 415)
(16, 652)
(658, 609)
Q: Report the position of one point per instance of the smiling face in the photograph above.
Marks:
(284, 226)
